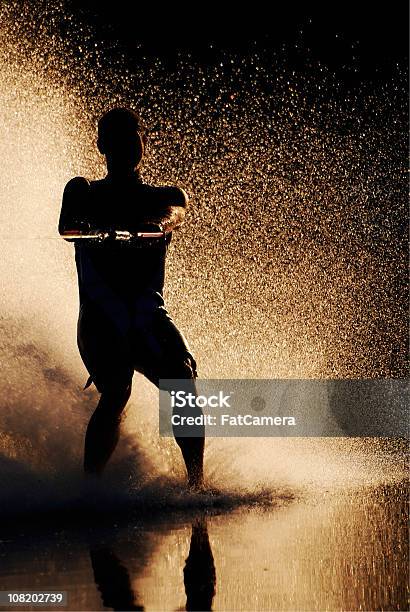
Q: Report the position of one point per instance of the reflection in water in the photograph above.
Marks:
(113, 582)
(327, 550)
(199, 570)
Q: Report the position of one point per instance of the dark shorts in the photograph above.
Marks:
(151, 345)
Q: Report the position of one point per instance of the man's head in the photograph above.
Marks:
(121, 138)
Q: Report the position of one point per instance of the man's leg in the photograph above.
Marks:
(192, 448)
(163, 353)
(180, 369)
(104, 428)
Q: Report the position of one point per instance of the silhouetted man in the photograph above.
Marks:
(123, 324)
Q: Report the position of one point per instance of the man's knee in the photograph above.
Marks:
(116, 394)
(184, 368)
(114, 397)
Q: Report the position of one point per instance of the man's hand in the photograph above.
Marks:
(143, 233)
(168, 211)
(150, 226)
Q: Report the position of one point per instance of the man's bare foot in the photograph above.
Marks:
(196, 483)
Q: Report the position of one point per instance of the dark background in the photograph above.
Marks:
(356, 40)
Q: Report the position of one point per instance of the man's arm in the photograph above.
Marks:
(73, 208)
(169, 208)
